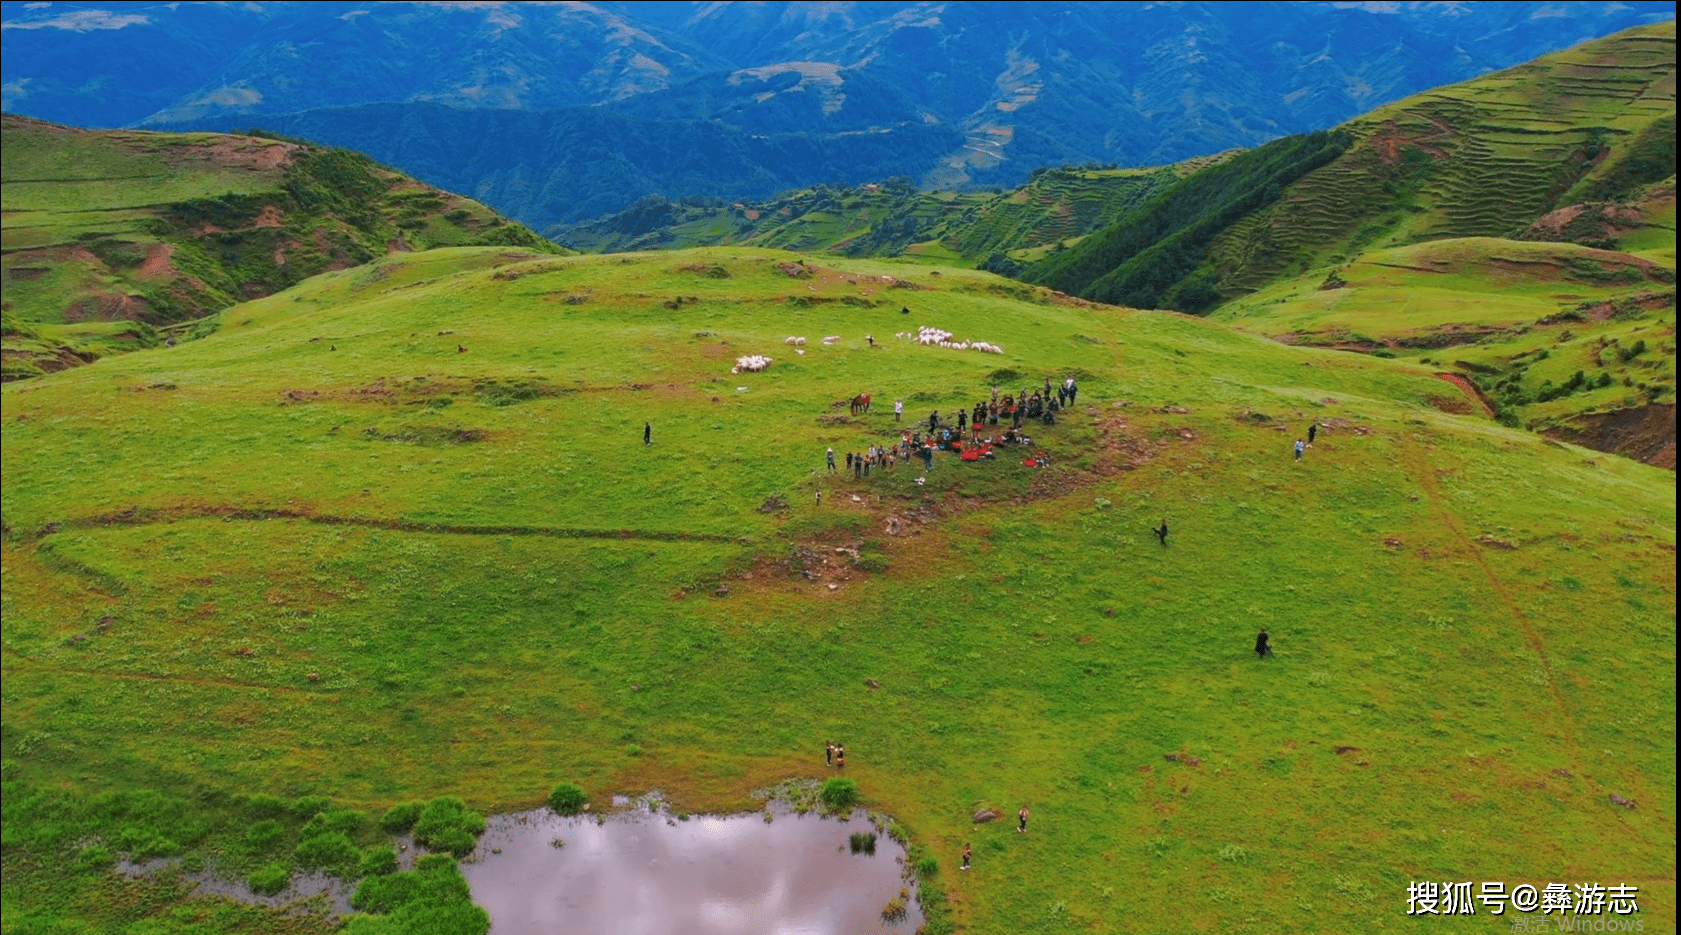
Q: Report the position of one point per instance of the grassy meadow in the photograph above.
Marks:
(393, 534)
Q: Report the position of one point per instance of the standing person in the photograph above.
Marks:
(840, 756)
(898, 409)
(933, 421)
(849, 461)
(1021, 817)
(1299, 446)
(831, 460)
(962, 420)
(1263, 649)
(1161, 532)
(1312, 433)
(819, 498)
(858, 467)
(829, 752)
(647, 433)
(1073, 390)
(966, 851)
(995, 393)
(1047, 387)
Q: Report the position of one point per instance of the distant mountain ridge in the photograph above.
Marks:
(1008, 87)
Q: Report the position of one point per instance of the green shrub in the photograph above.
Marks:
(927, 868)
(332, 852)
(457, 841)
(377, 861)
(306, 806)
(446, 825)
(270, 880)
(344, 820)
(145, 842)
(264, 834)
(400, 818)
(839, 793)
(568, 799)
(95, 857)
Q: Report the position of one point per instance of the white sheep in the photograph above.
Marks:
(832, 339)
(752, 363)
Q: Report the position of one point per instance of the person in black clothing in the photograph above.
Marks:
(962, 419)
(1312, 431)
(1161, 532)
(933, 421)
(858, 466)
(647, 433)
(1262, 649)
(849, 461)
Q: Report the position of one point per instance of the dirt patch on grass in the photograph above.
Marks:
(1644, 433)
(157, 265)
(1471, 397)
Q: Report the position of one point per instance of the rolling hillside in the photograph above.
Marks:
(110, 236)
(892, 218)
(393, 533)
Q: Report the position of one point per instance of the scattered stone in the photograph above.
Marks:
(1619, 800)
(1563, 773)
(722, 591)
(1392, 543)
(635, 686)
(834, 587)
(1345, 749)
(1182, 758)
(1494, 543)
(76, 639)
(893, 526)
(987, 814)
(773, 503)
(313, 676)
(871, 683)
(105, 623)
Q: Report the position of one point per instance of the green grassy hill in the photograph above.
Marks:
(1485, 158)
(393, 534)
(109, 236)
(1002, 229)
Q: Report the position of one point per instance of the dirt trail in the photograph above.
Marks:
(1418, 466)
(147, 517)
(1476, 397)
(199, 680)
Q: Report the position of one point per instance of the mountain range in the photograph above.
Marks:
(554, 113)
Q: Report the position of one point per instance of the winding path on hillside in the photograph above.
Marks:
(151, 516)
(1416, 460)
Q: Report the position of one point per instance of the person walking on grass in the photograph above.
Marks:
(1021, 817)
(1161, 532)
(966, 852)
(1263, 649)
(647, 433)
(898, 409)
(1312, 433)
(831, 460)
(1299, 446)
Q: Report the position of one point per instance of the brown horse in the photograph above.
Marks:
(860, 403)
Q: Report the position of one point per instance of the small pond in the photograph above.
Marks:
(642, 872)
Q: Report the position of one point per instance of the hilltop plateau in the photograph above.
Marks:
(1535, 199)
(120, 239)
(394, 533)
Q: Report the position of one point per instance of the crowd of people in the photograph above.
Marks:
(974, 434)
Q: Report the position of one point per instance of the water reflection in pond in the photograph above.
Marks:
(642, 873)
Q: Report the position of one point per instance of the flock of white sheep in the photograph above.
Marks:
(931, 337)
(938, 337)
